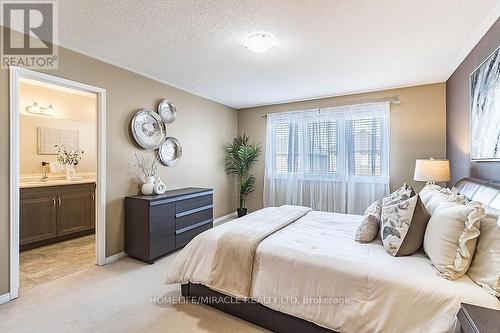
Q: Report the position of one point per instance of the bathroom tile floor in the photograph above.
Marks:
(53, 261)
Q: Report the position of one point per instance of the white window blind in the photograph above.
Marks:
(322, 138)
(346, 147)
(364, 146)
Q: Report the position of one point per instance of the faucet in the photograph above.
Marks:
(44, 178)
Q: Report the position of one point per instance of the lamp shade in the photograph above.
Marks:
(432, 170)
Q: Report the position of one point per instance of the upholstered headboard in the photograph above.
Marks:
(486, 192)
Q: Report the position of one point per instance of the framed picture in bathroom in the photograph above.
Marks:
(48, 138)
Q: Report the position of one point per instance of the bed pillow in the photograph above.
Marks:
(368, 229)
(485, 267)
(396, 194)
(451, 237)
(443, 199)
(433, 196)
(403, 224)
(428, 192)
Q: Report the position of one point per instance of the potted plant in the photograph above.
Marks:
(241, 155)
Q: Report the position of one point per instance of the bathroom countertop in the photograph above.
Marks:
(55, 182)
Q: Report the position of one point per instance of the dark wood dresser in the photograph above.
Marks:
(157, 225)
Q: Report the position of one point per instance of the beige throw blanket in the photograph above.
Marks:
(232, 266)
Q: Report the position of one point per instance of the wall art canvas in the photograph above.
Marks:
(485, 109)
(48, 138)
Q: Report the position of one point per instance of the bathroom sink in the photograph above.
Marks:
(54, 182)
(43, 182)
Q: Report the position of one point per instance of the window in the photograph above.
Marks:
(333, 159)
(365, 147)
(286, 148)
(322, 146)
(330, 143)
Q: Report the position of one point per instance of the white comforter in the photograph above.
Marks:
(313, 269)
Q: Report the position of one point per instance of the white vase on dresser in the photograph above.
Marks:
(148, 186)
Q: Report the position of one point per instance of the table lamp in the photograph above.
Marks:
(432, 170)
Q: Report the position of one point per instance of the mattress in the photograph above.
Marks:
(315, 270)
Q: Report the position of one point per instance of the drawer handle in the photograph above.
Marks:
(193, 226)
(192, 211)
(53, 202)
(60, 201)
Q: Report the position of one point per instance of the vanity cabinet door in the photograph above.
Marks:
(92, 209)
(37, 219)
(73, 213)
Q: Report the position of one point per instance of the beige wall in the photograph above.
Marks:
(418, 129)
(31, 161)
(203, 128)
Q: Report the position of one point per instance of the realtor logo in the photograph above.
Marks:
(31, 40)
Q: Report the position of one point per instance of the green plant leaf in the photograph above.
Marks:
(241, 155)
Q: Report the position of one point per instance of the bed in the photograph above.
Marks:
(311, 275)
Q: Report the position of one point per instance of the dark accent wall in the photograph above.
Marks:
(457, 113)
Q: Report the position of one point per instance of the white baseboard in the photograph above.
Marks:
(225, 218)
(114, 257)
(4, 298)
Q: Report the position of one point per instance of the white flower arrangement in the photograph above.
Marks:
(65, 157)
(147, 171)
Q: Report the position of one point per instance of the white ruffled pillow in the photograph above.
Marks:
(485, 267)
(451, 237)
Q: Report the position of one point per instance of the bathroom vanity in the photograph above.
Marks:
(54, 211)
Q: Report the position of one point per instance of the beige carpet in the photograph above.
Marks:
(113, 298)
(53, 261)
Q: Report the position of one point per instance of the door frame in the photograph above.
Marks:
(15, 74)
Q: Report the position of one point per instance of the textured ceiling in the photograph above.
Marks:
(325, 47)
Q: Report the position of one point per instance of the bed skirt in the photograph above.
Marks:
(250, 311)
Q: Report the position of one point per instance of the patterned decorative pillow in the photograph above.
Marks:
(399, 193)
(368, 229)
(403, 190)
(403, 224)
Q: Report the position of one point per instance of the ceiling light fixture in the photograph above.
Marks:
(260, 43)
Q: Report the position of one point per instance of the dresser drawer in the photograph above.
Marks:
(196, 202)
(185, 237)
(188, 220)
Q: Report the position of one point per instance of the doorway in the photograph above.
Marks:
(57, 177)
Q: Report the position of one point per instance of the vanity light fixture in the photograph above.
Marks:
(38, 110)
(260, 43)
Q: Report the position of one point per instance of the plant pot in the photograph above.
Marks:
(70, 171)
(241, 212)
